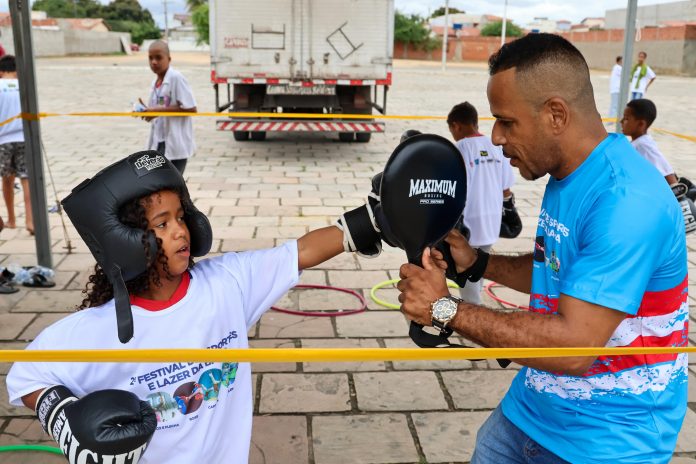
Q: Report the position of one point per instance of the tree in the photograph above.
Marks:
(193, 4)
(411, 30)
(200, 18)
(495, 29)
(129, 16)
(441, 11)
(69, 8)
(127, 10)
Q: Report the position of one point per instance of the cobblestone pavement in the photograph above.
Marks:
(258, 194)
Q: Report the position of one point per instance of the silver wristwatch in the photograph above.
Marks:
(443, 310)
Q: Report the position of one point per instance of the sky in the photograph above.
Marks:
(519, 11)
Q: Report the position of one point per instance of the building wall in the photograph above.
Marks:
(458, 49)
(45, 42)
(79, 42)
(68, 42)
(652, 15)
(671, 50)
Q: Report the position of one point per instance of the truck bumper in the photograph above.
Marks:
(298, 125)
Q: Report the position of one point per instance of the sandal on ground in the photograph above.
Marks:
(6, 289)
(37, 280)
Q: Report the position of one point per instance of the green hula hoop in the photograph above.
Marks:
(42, 448)
(386, 304)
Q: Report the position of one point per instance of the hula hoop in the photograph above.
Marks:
(346, 312)
(490, 293)
(40, 448)
(388, 305)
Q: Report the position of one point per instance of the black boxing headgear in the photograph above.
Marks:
(94, 206)
(407, 134)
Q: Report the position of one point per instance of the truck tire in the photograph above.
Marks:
(346, 136)
(363, 137)
(258, 136)
(241, 136)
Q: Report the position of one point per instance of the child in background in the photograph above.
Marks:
(638, 116)
(489, 177)
(12, 153)
(172, 136)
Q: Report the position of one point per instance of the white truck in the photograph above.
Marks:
(301, 56)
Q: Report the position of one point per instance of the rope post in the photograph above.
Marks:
(20, 11)
(626, 78)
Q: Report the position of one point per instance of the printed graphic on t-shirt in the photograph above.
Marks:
(183, 389)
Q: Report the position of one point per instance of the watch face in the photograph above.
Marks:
(444, 309)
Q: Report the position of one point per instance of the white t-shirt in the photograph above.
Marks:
(488, 173)
(10, 107)
(175, 131)
(615, 79)
(647, 148)
(649, 75)
(204, 410)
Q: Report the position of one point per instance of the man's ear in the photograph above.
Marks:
(557, 114)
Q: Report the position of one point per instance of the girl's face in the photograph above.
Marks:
(165, 216)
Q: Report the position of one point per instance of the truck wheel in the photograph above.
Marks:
(241, 136)
(345, 136)
(258, 136)
(363, 137)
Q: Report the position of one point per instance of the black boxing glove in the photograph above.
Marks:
(511, 224)
(691, 188)
(106, 426)
(365, 227)
(688, 208)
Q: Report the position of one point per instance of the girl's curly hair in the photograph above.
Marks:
(99, 290)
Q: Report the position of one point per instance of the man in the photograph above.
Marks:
(614, 87)
(608, 269)
(643, 76)
(488, 181)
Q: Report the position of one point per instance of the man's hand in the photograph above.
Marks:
(419, 287)
(464, 256)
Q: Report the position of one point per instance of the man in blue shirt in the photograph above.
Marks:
(609, 268)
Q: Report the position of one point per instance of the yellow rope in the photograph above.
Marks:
(412, 117)
(319, 355)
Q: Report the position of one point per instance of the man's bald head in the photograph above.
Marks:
(546, 66)
(160, 45)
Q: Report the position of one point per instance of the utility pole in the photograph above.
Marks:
(444, 37)
(166, 21)
(502, 35)
(20, 12)
(629, 37)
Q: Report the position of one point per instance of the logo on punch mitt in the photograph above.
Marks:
(147, 163)
(433, 190)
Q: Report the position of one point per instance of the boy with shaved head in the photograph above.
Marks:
(608, 269)
(172, 136)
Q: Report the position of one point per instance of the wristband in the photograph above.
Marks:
(475, 272)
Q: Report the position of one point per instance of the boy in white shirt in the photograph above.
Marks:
(489, 177)
(638, 116)
(643, 76)
(614, 87)
(173, 135)
(12, 153)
